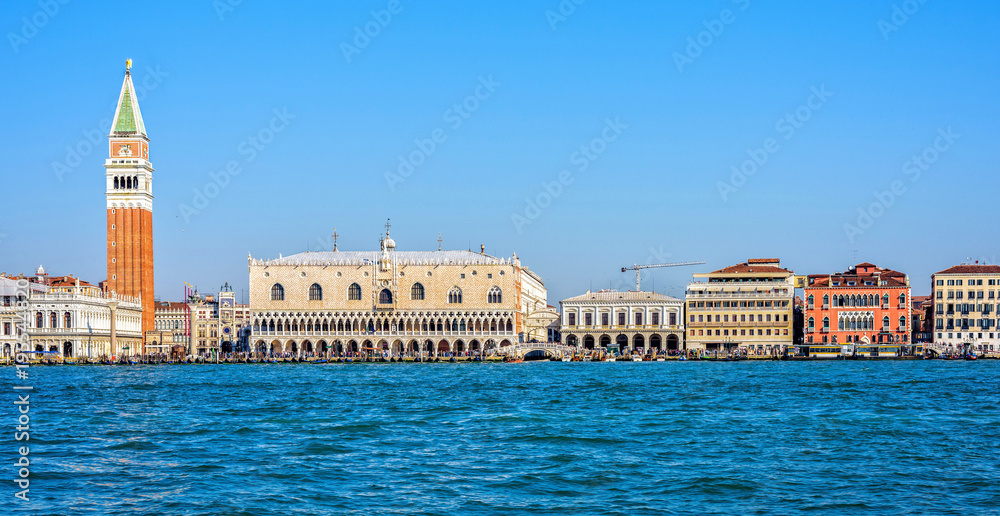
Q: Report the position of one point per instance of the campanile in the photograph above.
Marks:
(129, 194)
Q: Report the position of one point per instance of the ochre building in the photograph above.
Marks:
(747, 306)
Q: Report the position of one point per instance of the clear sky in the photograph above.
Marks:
(677, 94)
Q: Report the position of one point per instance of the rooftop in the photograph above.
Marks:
(614, 295)
(972, 269)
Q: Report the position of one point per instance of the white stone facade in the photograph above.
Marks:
(629, 320)
(75, 321)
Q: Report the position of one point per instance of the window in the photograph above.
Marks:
(385, 297)
(656, 318)
(315, 292)
(885, 299)
(53, 320)
(354, 292)
(67, 320)
(277, 292)
(589, 319)
(826, 301)
(885, 323)
(604, 318)
(494, 295)
(940, 283)
(902, 322)
(621, 318)
(455, 295)
(638, 318)
(572, 319)
(417, 292)
(812, 325)
(826, 324)
(673, 319)
(810, 301)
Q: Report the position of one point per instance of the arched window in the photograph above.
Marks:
(885, 299)
(454, 295)
(812, 324)
(39, 320)
(902, 300)
(826, 323)
(902, 322)
(116, 182)
(67, 320)
(385, 297)
(885, 323)
(826, 301)
(417, 292)
(494, 295)
(135, 182)
(54, 320)
(277, 292)
(315, 292)
(354, 292)
(811, 300)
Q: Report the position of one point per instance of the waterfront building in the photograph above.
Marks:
(410, 302)
(73, 318)
(129, 199)
(922, 323)
(747, 306)
(218, 324)
(202, 325)
(966, 299)
(626, 321)
(865, 309)
(171, 327)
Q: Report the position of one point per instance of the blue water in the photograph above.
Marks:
(535, 438)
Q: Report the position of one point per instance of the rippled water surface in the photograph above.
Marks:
(539, 438)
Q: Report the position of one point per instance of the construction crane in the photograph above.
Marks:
(638, 268)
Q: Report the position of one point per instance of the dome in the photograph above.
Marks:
(389, 243)
(40, 271)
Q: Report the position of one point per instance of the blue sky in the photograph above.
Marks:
(685, 113)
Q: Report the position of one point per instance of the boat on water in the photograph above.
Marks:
(636, 358)
(566, 359)
(661, 359)
(611, 359)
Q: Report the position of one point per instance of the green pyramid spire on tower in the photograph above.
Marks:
(128, 119)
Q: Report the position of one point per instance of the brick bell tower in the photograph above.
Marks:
(129, 196)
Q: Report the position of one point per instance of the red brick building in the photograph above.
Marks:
(864, 305)
(129, 194)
